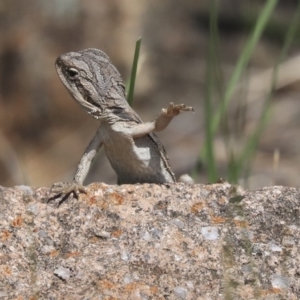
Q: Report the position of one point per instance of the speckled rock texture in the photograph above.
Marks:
(149, 241)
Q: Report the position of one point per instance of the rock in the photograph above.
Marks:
(176, 241)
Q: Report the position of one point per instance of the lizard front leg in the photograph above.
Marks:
(160, 123)
(64, 189)
(167, 114)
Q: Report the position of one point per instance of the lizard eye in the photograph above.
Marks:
(72, 73)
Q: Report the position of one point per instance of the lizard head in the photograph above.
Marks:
(92, 80)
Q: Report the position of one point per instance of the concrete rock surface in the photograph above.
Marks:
(149, 241)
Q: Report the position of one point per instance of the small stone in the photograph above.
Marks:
(156, 233)
(280, 282)
(125, 256)
(42, 234)
(181, 292)
(177, 257)
(127, 279)
(210, 233)
(275, 248)
(177, 223)
(288, 240)
(62, 273)
(25, 189)
(33, 208)
(146, 236)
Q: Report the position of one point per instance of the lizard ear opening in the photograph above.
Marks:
(72, 73)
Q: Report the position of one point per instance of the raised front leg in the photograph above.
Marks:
(167, 114)
(64, 189)
(160, 123)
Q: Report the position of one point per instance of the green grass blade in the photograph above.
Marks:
(250, 147)
(133, 71)
(244, 60)
(210, 88)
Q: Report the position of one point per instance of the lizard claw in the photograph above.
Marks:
(62, 190)
(175, 109)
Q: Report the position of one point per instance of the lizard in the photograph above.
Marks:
(131, 146)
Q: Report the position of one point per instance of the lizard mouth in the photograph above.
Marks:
(92, 108)
(93, 103)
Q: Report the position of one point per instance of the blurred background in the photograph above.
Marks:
(43, 131)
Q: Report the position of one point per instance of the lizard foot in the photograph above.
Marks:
(175, 109)
(62, 191)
